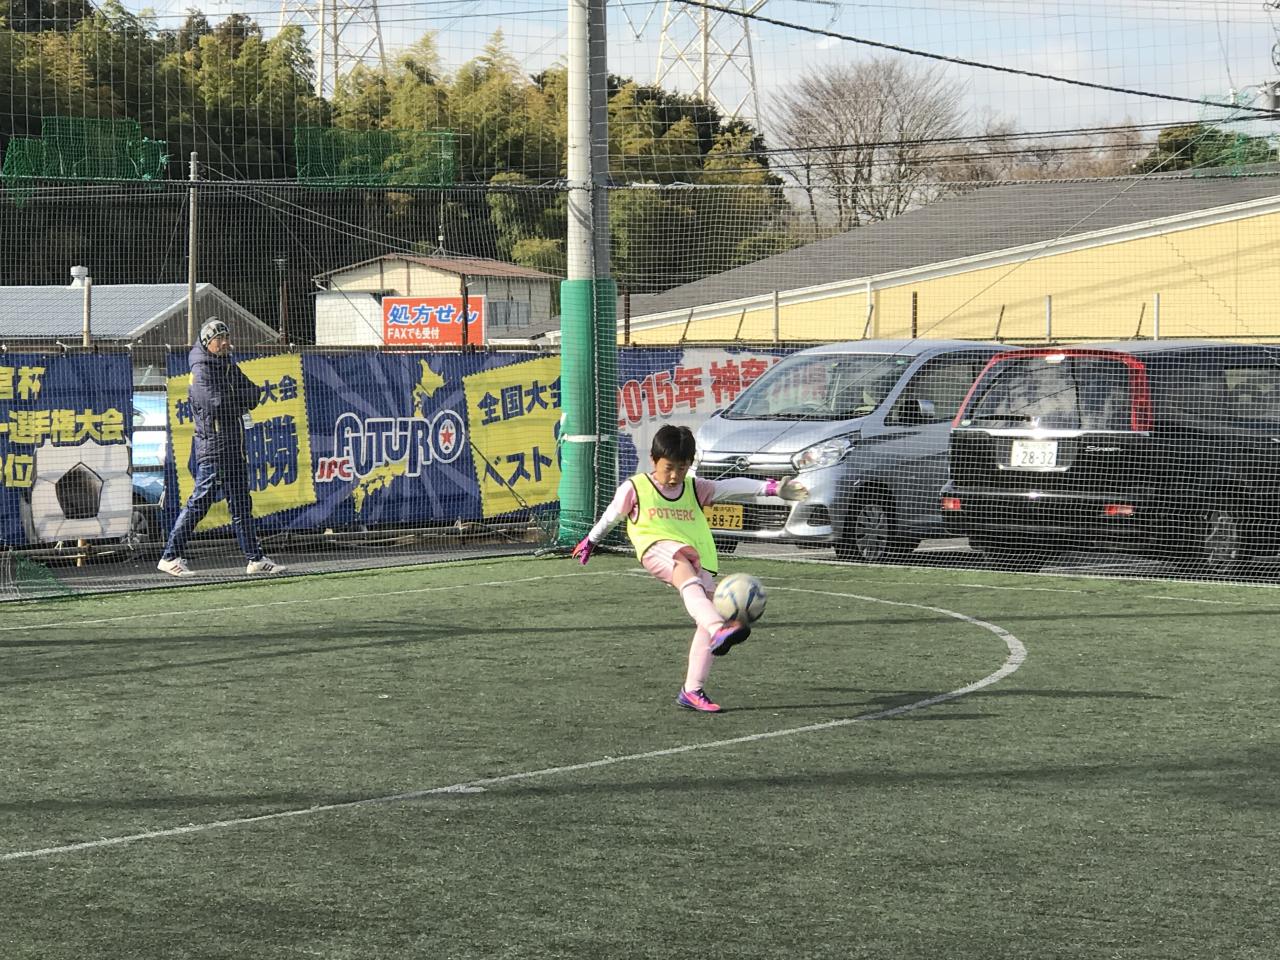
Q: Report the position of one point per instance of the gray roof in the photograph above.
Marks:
(986, 220)
(462, 266)
(117, 311)
(903, 347)
(530, 331)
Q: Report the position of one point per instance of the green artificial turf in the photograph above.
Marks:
(1114, 796)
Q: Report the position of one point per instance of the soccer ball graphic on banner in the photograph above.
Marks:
(79, 492)
(741, 597)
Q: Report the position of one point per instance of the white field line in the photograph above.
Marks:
(1012, 588)
(1017, 653)
(802, 557)
(188, 612)
(1140, 596)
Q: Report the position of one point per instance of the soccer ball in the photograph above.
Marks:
(741, 597)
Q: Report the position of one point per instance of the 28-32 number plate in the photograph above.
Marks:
(1033, 454)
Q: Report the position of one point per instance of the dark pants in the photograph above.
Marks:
(217, 480)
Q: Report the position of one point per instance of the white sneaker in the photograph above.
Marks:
(264, 565)
(176, 567)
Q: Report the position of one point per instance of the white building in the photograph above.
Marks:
(520, 304)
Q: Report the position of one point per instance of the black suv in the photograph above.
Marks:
(1166, 448)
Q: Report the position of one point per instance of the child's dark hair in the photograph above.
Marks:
(673, 443)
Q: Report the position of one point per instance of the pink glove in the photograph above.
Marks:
(788, 489)
(583, 550)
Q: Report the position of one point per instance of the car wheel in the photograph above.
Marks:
(142, 527)
(869, 534)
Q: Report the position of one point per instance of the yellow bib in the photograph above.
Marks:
(681, 520)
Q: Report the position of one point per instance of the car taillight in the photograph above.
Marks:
(1118, 510)
(951, 503)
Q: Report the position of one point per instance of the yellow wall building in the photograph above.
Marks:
(1199, 271)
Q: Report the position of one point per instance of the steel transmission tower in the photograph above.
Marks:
(713, 48)
(343, 33)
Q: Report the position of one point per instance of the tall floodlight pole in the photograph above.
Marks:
(712, 50)
(344, 32)
(588, 296)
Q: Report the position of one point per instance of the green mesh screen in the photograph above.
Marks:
(335, 157)
(81, 148)
(22, 578)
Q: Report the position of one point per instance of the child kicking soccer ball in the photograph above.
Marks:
(665, 522)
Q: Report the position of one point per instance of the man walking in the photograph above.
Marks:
(221, 397)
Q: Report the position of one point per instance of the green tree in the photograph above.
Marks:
(748, 217)
(362, 99)
(652, 233)
(418, 96)
(507, 122)
(665, 237)
(1194, 146)
(32, 16)
(529, 224)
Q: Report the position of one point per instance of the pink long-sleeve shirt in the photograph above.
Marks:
(625, 504)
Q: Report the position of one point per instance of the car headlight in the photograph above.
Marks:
(824, 454)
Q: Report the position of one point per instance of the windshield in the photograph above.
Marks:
(1054, 393)
(824, 386)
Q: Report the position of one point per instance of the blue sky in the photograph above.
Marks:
(1186, 48)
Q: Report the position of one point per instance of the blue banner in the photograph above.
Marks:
(350, 440)
(366, 439)
(389, 439)
(64, 447)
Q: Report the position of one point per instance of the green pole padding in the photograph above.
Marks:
(589, 398)
(577, 398)
(606, 390)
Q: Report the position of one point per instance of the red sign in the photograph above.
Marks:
(431, 321)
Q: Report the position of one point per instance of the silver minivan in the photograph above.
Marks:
(864, 424)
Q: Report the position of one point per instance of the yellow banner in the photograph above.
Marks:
(277, 448)
(513, 412)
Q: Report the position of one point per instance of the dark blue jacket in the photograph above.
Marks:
(220, 395)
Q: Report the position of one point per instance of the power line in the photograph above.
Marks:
(971, 138)
(961, 61)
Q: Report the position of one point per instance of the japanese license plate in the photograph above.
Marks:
(724, 516)
(1033, 454)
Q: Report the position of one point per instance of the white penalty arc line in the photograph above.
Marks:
(1017, 654)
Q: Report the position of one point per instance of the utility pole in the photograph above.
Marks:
(193, 249)
(282, 265)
